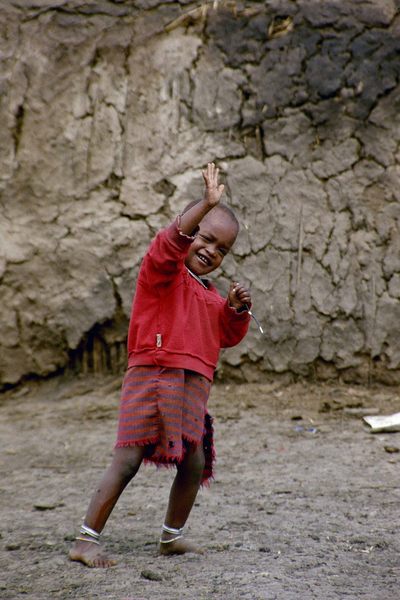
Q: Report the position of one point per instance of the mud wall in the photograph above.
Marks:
(108, 112)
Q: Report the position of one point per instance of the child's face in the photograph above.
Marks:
(215, 237)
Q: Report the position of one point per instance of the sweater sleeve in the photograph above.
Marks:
(233, 325)
(165, 256)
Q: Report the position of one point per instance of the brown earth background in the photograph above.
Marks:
(300, 507)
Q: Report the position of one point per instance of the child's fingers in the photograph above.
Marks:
(214, 177)
(239, 287)
(212, 172)
(244, 299)
(241, 292)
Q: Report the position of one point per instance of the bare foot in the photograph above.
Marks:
(180, 546)
(90, 554)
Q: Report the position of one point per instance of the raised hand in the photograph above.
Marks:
(239, 295)
(213, 191)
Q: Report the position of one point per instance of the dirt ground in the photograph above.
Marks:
(305, 503)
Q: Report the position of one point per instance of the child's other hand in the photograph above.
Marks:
(239, 295)
(213, 191)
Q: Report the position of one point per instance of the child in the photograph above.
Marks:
(178, 324)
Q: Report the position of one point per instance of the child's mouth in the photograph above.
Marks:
(204, 260)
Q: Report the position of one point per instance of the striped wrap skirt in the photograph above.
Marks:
(165, 410)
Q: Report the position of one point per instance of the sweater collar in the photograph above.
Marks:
(204, 282)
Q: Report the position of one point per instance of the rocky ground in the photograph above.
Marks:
(304, 505)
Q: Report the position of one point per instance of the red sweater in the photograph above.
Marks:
(175, 321)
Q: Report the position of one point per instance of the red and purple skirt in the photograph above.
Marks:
(165, 409)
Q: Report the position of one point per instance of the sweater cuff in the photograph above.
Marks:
(177, 237)
(240, 315)
(178, 225)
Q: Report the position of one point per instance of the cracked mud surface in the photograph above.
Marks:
(300, 508)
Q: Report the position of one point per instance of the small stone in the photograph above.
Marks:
(391, 449)
(43, 507)
(151, 575)
(13, 546)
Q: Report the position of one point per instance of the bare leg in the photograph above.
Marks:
(181, 499)
(124, 466)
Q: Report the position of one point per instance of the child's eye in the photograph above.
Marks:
(223, 251)
(204, 237)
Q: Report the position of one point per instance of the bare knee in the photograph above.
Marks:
(193, 463)
(127, 461)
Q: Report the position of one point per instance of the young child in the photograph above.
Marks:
(178, 324)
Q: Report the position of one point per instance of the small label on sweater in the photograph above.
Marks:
(158, 340)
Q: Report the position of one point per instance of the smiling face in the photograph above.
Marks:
(216, 235)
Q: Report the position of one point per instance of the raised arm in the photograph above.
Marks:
(212, 195)
(168, 250)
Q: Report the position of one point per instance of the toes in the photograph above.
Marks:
(103, 563)
(92, 560)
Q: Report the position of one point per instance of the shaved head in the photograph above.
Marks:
(220, 207)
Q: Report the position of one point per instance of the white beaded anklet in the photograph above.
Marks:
(171, 530)
(177, 532)
(90, 535)
(85, 530)
(83, 539)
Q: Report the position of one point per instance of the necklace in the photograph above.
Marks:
(245, 306)
(197, 278)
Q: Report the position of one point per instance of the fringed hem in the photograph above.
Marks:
(169, 461)
(146, 420)
(143, 442)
